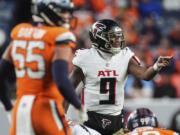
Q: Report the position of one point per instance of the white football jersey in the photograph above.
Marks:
(104, 79)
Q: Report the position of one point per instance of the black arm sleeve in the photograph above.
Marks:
(60, 76)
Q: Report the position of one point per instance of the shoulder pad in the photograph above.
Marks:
(80, 58)
(81, 51)
(127, 49)
(65, 37)
(17, 27)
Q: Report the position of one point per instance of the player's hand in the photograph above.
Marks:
(82, 114)
(164, 61)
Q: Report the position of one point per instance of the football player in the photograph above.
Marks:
(40, 55)
(104, 69)
(143, 121)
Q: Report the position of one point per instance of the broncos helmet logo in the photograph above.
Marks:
(97, 27)
(105, 122)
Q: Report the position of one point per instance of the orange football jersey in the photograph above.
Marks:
(32, 51)
(151, 131)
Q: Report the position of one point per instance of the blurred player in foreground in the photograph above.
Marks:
(40, 55)
(143, 121)
(73, 119)
(104, 69)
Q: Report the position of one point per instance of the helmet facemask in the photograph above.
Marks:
(110, 40)
(116, 40)
(107, 36)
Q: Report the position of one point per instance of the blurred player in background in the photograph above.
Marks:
(104, 69)
(143, 121)
(40, 55)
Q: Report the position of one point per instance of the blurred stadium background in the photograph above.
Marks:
(151, 28)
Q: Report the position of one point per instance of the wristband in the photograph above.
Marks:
(156, 68)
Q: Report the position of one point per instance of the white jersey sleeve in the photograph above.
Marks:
(79, 58)
(130, 53)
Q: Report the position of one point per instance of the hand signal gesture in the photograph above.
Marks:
(162, 61)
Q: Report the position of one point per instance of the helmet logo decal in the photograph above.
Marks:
(105, 122)
(98, 27)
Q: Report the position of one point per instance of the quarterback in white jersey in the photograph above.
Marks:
(105, 79)
(104, 69)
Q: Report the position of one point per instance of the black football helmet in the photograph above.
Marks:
(104, 33)
(140, 118)
(48, 11)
